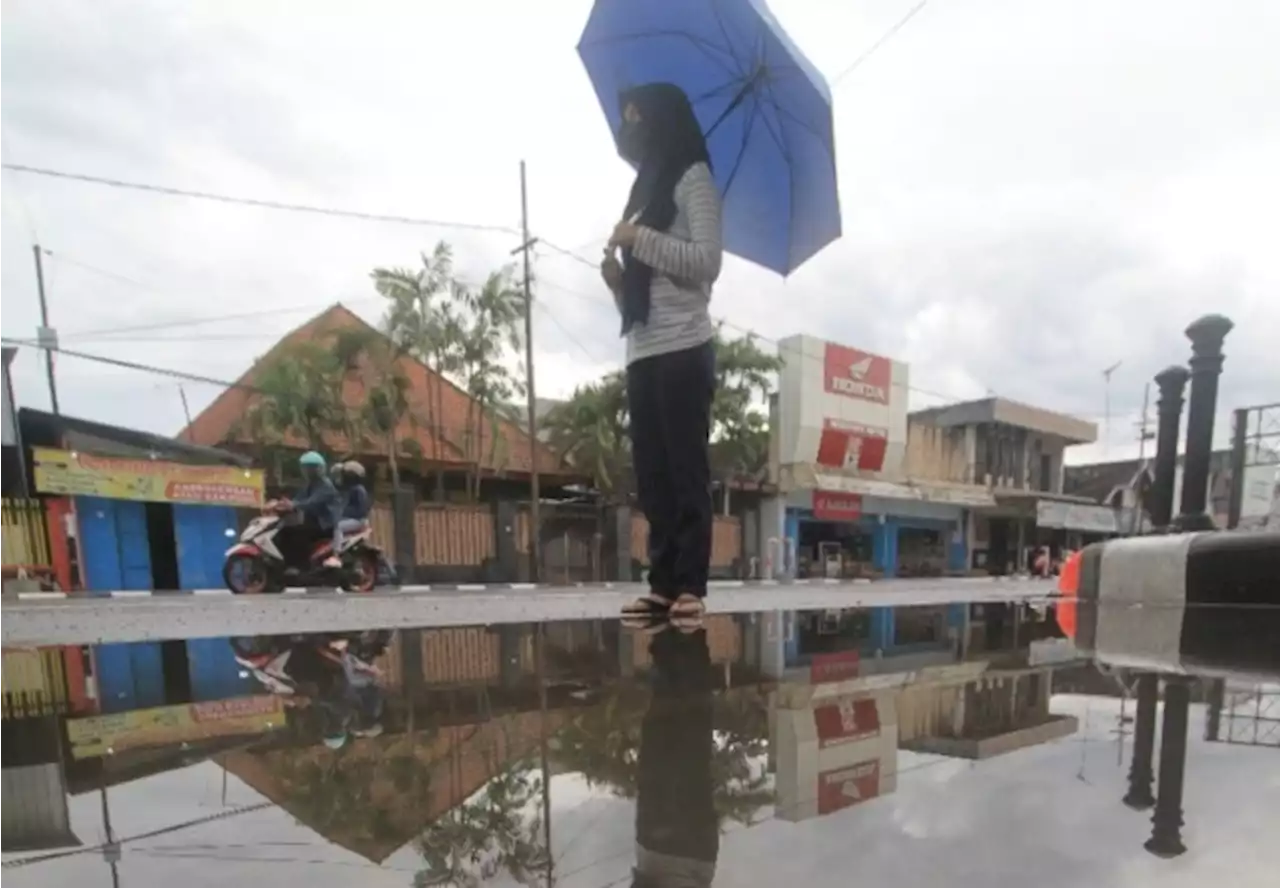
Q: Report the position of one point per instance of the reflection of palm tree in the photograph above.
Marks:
(603, 744)
(496, 830)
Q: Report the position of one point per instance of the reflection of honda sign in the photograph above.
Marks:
(846, 721)
(856, 374)
(848, 786)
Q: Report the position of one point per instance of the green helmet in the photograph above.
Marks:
(311, 458)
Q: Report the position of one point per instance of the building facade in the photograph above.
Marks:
(867, 488)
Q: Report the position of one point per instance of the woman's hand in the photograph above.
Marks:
(611, 271)
(624, 235)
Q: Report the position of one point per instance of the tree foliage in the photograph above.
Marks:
(590, 430)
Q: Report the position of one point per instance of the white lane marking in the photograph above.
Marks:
(41, 596)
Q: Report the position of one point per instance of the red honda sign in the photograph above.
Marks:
(846, 721)
(849, 445)
(846, 787)
(834, 667)
(834, 506)
(856, 374)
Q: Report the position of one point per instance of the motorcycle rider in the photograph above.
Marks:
(320, 507)
(355, 500)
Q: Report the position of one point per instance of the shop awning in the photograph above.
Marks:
(920, 491)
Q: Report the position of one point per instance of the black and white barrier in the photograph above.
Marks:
(1196, 603)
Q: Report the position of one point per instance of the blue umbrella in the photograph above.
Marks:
(764, 107)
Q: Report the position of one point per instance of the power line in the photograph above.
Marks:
(184, 376)
(260, 202)
(884, 38)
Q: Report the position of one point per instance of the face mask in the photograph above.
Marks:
(631, 140)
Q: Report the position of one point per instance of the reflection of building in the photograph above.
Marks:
(867, 489)
(835, 745)
(36, 817)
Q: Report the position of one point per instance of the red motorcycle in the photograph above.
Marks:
(256, 563)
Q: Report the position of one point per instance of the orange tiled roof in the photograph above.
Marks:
(218, 423)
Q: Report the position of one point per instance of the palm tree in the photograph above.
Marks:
(422, 320)
(384, 396)
(590, 431)
(740, 426)
(491, 326)
(299, 398)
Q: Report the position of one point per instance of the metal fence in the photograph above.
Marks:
(1255, 468)
(1247, 717)
(35, 683)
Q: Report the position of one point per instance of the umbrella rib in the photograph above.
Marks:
(742, 149)
(715, 53)
(728, 42)
(810, 128)
(791, 172)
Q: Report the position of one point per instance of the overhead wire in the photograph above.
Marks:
(875, 47)
(261, 202)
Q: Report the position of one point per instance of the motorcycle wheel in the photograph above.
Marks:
(246, 575)
(361, 574)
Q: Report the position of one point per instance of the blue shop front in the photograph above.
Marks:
(841, 535)
(149, 513)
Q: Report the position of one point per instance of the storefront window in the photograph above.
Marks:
(829, 632)
(834, 549)
(922, 553)
(919, 625)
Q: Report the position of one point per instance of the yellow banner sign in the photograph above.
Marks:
(155, 481)
(98, 735)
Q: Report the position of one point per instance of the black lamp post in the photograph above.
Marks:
(1207, 336)
(1172, 382)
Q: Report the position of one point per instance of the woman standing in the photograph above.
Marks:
(670, 246)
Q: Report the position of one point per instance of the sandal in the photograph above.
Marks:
(648, 606)
(687, 613)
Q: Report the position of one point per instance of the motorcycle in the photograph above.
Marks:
(255, 564)
(289, 665)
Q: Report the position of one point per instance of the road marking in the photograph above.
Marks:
(41, 596)
(130, 593)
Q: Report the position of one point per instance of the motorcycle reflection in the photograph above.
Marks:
(332, 677)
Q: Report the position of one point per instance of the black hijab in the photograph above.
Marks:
(666, 142)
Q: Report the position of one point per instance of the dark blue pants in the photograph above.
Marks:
(669, 399)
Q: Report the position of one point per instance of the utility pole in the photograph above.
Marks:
(186, 411)
(535, 523)
(1106, 408)
(1144, 435)
(45, 336)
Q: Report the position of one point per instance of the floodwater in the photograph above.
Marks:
(962, 744)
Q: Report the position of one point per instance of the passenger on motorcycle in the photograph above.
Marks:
(355, 500)
(320, 507)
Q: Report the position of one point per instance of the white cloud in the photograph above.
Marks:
(1030, 193)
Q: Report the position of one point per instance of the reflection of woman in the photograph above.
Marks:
(671, 252)
(677, 830)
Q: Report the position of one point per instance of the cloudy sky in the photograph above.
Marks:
(1031, 191)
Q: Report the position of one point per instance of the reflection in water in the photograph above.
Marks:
(582, 754)
(677, 828)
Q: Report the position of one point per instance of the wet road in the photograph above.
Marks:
(136, 616)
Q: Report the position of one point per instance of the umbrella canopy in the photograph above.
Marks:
(764, 107)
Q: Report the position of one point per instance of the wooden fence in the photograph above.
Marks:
(726, 540)
(35, 683)
(454, 535)
(25, 534)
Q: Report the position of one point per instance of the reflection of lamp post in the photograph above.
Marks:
(1144, 739)
(1166, 834)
